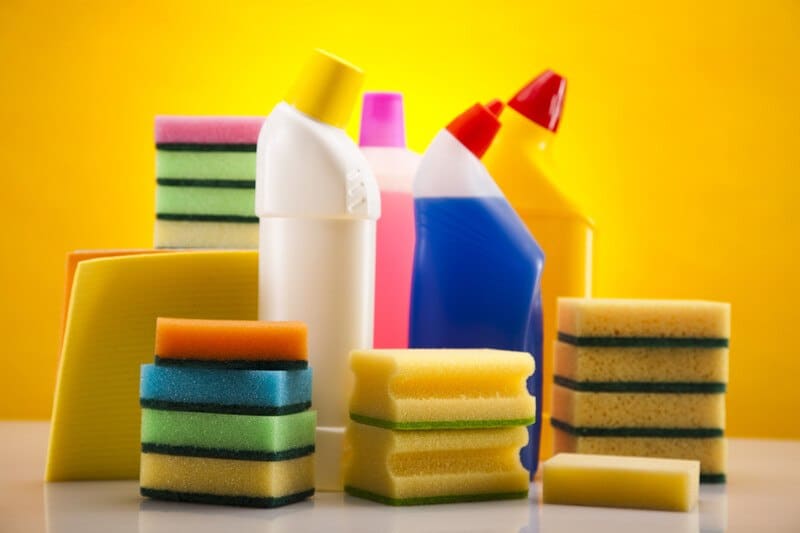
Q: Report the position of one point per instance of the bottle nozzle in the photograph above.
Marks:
(475, 128)
(542, 100)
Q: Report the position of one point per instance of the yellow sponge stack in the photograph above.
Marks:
(438, 426)
(642, 378)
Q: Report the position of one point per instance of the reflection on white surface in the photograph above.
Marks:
(103, 506)
(334, 512)
(709, 516)
(92, 506)
(713, 508)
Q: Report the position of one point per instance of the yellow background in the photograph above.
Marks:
(681, 138)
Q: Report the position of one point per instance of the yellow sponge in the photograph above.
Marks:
(615, 481)
(641, 364)
(227, 481)
(434, 466)
(712, 452)
(643, 320)
(110, 333)
(434, 389)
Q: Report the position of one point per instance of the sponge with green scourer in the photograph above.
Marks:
(438, 426)
(216, 425)
(642, 378)
(438, 389)
(205, 177)
(261, 438)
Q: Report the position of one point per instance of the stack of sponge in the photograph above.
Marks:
(205, 175)
(642, 378)
(438, 426)
(225, 413)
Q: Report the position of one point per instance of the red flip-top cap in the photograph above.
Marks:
(542, 100)
(475, 128)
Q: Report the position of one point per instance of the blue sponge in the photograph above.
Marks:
(252, 392)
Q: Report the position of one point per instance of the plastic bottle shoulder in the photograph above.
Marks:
(394, 168)
(309, 169)
(448, 169)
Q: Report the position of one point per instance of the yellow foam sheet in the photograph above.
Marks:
(711, 452)
(638, 410)
(227, 477)
(415, 464)
(615, 481)
(637, 363)
(202, 234)
(110, 332)
(441, 385)
(600, 317)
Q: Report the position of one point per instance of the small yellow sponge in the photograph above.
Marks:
(227, 481)
(434, 466)
(435, 389)
(615, 481)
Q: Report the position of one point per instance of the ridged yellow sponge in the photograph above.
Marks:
(435, 389)
(434, 466)
(226, 481)
(110, 333)
(615, 481)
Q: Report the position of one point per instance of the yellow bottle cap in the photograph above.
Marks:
(327, 88)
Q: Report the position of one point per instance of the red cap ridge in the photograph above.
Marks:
(475, 128)
(542, 100)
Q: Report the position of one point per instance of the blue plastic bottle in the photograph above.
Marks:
(477, 269)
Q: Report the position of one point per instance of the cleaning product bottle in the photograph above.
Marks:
(383, 142)
(476, 267)
(317, 203)
(519, 161)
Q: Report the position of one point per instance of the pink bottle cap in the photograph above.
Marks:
(382, 122)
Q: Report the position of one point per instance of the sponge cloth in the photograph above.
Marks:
(256, 392)
(234, 343)
(226, 481)
(262, 438)
(429, 389)
(434, 466)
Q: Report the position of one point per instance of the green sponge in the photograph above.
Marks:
(205, 201)
(206, 165)
(228, 436)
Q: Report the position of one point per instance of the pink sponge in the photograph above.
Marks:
(182, 130)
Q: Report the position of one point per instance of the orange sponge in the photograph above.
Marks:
(231, 343)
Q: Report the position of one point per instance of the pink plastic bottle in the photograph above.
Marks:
(383, 143)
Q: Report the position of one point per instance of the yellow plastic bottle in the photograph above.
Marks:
(519, 161)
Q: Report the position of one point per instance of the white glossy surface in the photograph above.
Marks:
(762, 494)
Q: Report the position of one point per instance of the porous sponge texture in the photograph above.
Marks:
(641, 364)
(181, 129)
(266, 392)
(199, 476)
(638, 410)
(228, 435)
(441, 388)
(598, 317)
(206, 165)
(206, 234)
(711, 452)
(183, 338)
(215, 201)
(408, 467)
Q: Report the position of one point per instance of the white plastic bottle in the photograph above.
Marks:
(383, 142)
(318, 203)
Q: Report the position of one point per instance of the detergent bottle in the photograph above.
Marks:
(520, 162)
(477, 269)
(383, 142)
(318, 203)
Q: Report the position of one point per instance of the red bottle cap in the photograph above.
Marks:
(496, 107)
(542, 100)
(475, 128)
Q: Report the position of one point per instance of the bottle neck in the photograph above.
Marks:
(523, 131)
